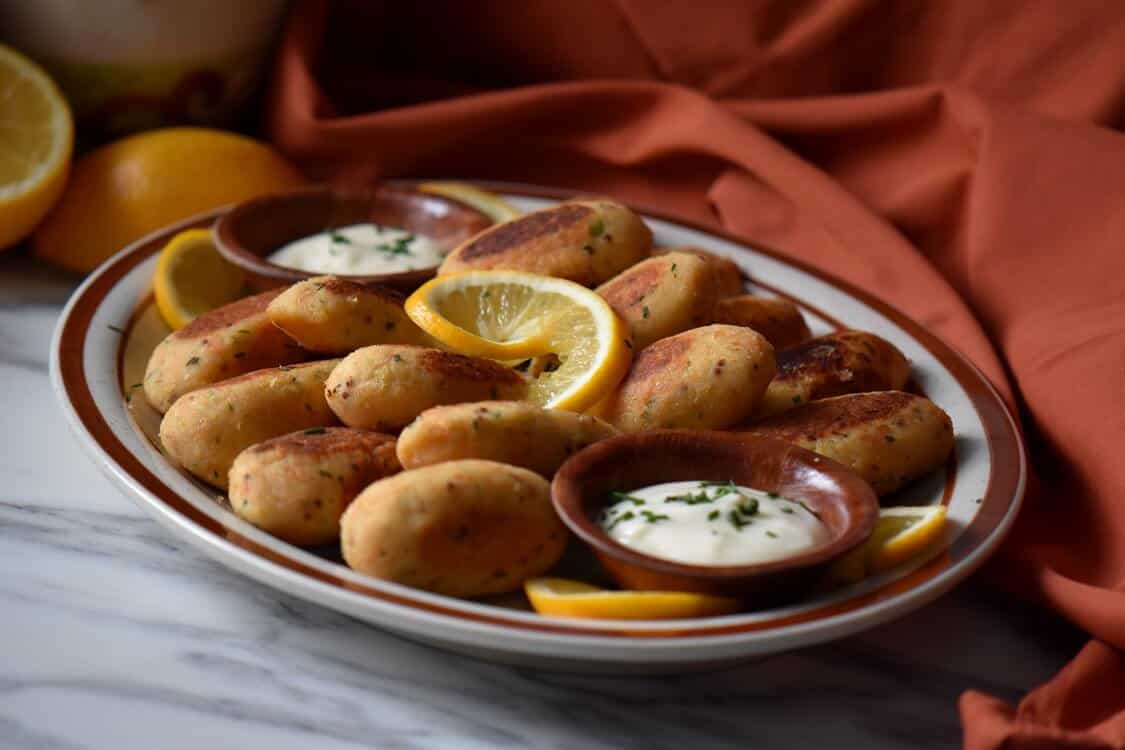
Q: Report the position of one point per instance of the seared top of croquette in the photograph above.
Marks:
(323, 441)
(836, 414)
(225, 316)
(519, 231)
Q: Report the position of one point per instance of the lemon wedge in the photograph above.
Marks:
(36, 138)
(579, 350)
(562, 597)
(901, 533)
(489, 204)
(192, 278)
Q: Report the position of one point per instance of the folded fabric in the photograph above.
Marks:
(958, 159)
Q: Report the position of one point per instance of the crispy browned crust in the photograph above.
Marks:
(868, 361)
(323, 441)
(818, 418)
(344, 287)
(657, 357)
(627, 290)
(520, 231)
(272, 370)
(227, 315)
(466, 368)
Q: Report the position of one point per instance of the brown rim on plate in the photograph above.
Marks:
(1000, 499)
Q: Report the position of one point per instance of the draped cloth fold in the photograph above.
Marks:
(959, 159)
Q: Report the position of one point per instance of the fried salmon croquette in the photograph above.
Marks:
(511, 432)
(887, 437)
(220, 344)
(206, 429)
(706, 378)
(779, 320)
(585, 241)
(330, 315)
(662, 296)
(729, 279)
(385, 387)
(461, 528)
(296, 486)
(833, 365)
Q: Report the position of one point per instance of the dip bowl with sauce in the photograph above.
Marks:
(717, 513)
(387, 234)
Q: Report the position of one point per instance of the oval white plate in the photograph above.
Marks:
(983, 486)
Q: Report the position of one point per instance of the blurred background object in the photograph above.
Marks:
(129, 65)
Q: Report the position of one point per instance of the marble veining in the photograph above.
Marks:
(113, 635)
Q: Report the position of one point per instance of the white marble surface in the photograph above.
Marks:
(112, 635)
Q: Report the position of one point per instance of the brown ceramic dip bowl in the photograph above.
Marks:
(844, 502)
(252, 230)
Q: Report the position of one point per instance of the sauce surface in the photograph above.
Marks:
(712, 523)
(359, 249)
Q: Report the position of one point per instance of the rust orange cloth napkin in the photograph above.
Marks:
(958, 159)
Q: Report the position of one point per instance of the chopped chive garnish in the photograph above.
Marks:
(626, 516)
(115, 329)
(315, 431)
(618, 497)
(653, 517)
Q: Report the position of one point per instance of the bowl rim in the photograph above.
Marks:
(225, 229)
(569, 503)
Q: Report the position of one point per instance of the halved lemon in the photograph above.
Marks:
(36, 138)
(488, 203)
(192, 278)
(562, 597)
(901, 533)
(578, 347)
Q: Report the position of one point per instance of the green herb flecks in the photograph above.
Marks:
(620, 497)
(314, 431)
(713, 515)
(338, 238)
(626, 516)
(771, 534)
(597, 227)
(192, 362)
(645, 312)
(401, 246)
(651, 517)
(690, 498)
(115, 329)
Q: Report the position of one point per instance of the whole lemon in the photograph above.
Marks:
(122, 191)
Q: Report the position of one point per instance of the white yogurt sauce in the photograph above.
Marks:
(359, 249)
(712, 523)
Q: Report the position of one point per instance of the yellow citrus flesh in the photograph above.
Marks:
(122, 191)
(36, 138)
(900, 534)
(903, 533)
(192, 278)
(490, 204)
(561, 597)
(582, 346)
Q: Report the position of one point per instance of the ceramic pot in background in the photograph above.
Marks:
(129, 65)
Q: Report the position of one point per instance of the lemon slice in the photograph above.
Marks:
(561, 597)
(36, 138)
(901, 533)
(192, 278)
(578, 347)
(490, 204)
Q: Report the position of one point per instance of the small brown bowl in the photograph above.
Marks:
(250, 231)
(845, 503)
